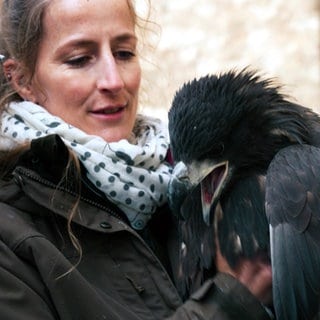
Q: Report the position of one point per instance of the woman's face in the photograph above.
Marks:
(87, 71)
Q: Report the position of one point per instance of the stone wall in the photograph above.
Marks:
(196, 37)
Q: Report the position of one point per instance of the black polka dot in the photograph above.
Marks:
(98, 184)
(126, 187)
(142, 207)
(152, 188)
(87, 154)
(53, 124)
(111, 179)
(139, 224)
(129, 170)
(141, 178)
(14, 134)
(96, 169)
(125, 157)
(38, 134)
(141, 193)
(18, 118)
(128, 201)
(160, 179)
(113, 194)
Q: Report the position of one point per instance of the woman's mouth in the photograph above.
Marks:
(109, 110)
(109, 113)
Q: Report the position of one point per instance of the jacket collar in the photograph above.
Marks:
(40, 173)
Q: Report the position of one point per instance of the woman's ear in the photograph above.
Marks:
(18, 80)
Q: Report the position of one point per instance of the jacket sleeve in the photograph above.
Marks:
(21, 299)
(222, 298)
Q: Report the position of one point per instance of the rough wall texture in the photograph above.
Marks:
(278, 37)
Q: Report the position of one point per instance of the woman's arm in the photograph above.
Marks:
(21, 293)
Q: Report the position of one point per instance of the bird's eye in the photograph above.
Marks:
(217, 149)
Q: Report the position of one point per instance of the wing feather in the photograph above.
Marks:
(293, 211)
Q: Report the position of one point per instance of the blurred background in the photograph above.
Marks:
(192, 38)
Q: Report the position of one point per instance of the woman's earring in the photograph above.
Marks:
(8, 76)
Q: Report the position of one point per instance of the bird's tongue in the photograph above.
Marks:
(211, 184)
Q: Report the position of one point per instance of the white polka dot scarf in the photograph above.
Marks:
(133, 175)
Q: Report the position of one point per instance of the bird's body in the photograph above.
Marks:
(225, 130)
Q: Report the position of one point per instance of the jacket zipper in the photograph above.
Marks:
(28, 173)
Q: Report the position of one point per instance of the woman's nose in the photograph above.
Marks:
(110, 76)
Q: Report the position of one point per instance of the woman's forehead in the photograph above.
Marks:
(63, 17)
(84, 10)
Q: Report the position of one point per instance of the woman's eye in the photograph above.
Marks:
(124, 54)
(78, 61)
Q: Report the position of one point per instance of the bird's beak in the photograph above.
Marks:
(211, 187)
(185, 183)
(179, 187)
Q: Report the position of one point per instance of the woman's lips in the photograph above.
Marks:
(109, 110)
(109, 113)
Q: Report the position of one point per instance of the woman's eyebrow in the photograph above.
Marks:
(79, 43)
(125, 37)
(74, 44)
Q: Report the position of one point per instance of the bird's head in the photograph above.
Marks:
(225, 127)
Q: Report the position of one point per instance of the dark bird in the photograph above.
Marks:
(225, 130)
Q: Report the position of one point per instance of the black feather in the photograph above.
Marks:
(243, 230)
(239, 116)
(293, 179)
(198, 259)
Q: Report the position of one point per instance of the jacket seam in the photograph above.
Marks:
(19, 242)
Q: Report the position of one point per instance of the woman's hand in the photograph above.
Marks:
(254, 273)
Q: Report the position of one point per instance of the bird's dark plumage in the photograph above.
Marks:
(247, 115)
(294, 180)
(225, 130)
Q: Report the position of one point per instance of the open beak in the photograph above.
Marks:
(209, 176)
(211, 188)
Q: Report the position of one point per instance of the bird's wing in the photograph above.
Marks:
(293, 211)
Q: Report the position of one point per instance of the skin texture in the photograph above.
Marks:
(87, 70)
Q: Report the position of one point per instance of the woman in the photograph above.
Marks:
(84, 230)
